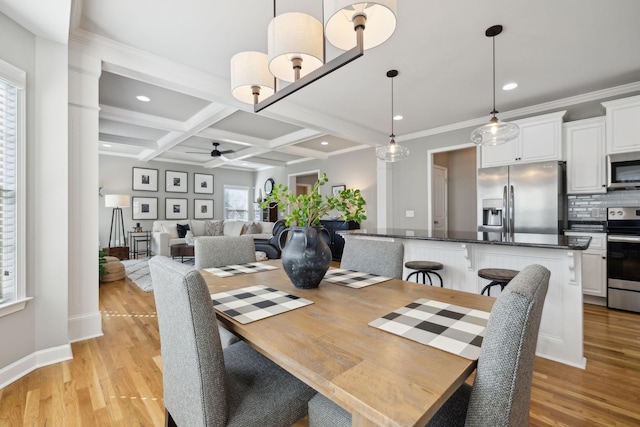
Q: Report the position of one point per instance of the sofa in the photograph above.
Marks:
(166, 233)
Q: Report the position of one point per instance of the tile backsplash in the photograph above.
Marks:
(593, 207)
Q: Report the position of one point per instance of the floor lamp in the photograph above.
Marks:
(117, 202)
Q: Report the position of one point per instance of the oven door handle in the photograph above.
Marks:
(623, 239)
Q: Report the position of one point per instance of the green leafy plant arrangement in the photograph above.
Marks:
(308, 209)
(102, 270)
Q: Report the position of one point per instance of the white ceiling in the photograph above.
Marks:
(552, 49)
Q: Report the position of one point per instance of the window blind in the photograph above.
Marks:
(8, 162)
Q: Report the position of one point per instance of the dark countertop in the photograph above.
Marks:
(551, 241)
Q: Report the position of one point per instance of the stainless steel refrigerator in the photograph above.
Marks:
(522, 198)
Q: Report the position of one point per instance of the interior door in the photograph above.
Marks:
(439, 201)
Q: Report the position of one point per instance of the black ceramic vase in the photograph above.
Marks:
(306, 257)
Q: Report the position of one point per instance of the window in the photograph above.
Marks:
(12, 114)
(236, 203)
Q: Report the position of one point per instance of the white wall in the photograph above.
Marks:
(356, 170)
(38, 335)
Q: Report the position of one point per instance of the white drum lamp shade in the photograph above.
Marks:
(380, 22)
(248, 70)
(294, 36)
(117, 201)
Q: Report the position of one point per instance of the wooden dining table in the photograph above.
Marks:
(381, 378)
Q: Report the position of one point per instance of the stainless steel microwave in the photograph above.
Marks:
(623, 170)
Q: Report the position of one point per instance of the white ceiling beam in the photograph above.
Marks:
(124, 140)
(294, 138)
(140, 119)
(204, 118)
(233, 137)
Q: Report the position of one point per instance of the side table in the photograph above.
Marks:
(182, 250)
(135, 239)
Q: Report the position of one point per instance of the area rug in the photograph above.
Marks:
(137, 271)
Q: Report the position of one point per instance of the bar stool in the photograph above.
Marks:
(426, 268)
(498, 276)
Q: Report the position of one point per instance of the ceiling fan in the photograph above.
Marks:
(215, 152)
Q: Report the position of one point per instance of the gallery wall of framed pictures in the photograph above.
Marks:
(146, 208)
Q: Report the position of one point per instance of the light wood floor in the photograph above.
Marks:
(115, 380)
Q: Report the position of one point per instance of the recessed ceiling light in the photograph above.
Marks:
(106, 145)
(510, 86)
(245, 164)
(324, 143)
(398, 117)
(143, 98)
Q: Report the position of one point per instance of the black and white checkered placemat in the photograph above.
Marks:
(255, 302)
(353, 279)
(232, 270)
(449, 327)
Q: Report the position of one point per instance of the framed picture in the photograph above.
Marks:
(175, 208)
(336, 189)
(202, 183)
(175, 182)
(203, 209)
(144, 207)
(145, 179)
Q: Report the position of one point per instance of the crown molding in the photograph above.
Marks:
(527, 111)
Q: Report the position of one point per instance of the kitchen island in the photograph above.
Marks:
(464, 253)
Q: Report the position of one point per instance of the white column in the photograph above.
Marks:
(84, 315)
(385, 194)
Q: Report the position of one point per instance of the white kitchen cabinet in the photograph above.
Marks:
(540, 140)
(623, 125)
(594, 265)
(586, 169)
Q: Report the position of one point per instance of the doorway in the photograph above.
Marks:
(301, 182)
(457, 211)
(440, 202)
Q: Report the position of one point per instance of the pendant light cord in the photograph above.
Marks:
(392, 135)
(494, 112)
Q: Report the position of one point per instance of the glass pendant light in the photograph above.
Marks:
(495, 132)
(393, 151)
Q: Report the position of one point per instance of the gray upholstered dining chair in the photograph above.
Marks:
(204, 385)
(218, 251)
(501, 391)
(379, 257)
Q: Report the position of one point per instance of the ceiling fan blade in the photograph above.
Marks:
(227, 151)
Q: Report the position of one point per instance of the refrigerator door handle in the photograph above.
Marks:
(505, 216)
(512, 213)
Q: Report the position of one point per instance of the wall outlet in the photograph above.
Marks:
(409, 214)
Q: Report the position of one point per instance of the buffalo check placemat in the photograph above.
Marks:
(232, 270)
(353, 279)
(458, 330)
(255, 302)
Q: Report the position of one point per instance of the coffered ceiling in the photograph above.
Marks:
(178, 54)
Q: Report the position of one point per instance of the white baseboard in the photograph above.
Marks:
(85, 326)
(34, 361)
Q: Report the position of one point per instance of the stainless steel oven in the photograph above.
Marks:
(623, 258)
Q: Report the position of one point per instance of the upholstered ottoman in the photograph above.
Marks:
(115, 270)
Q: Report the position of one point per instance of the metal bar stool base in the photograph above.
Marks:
(498, 276)
(426, 268)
